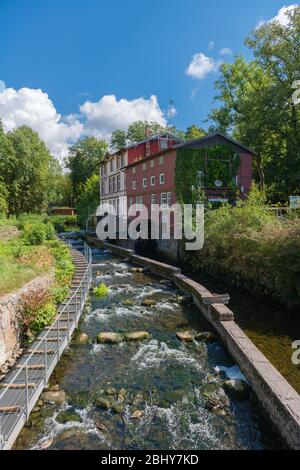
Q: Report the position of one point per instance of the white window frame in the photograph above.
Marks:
(153, 198)
(162, 178)
(152, 163)
(152, 180)
(144, 182)
(161, 160)
(144, 166)
(134, 185)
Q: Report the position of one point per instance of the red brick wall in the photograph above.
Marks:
(168, 168)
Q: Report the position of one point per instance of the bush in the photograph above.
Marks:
(250, 245)
(63, 223)
(37, 233)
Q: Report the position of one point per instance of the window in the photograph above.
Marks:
(119, 183)
(151, 163)
(112, 165)
(139, 203)
(114, 185)
(123, 161)
(169, 199)
(107, 168)
(152, 181)
(164, 144)
(163, 199)
(134, 170)
(110, 185)
(134, 185)
(161, 160)
(102, 188)
(161, 178)
(144, 182)
(153, 198)
(144, 166)
(118, 162)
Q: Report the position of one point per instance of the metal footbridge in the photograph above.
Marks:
(23, 385)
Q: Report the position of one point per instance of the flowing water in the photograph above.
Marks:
(168, 382)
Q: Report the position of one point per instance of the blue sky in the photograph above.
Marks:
(81, 51)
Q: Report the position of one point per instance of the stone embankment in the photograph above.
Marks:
(11, 308)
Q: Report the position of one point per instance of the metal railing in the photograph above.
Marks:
(27, 379)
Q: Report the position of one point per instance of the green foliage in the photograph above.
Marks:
(63, 223)
(37, 233)
(250, 245)
(64, 267)
(194, 132)
(88, 198)
(218, 162)
(136, 130)
(101, 291)
(118, 140)
(3, 199)
(84, 161)
(43, 317)
(256, 105)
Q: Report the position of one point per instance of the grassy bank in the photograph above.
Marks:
(249, 245)
(29, 248)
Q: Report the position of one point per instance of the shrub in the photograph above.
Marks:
(101, 291)
(63, 223)
(43, 317)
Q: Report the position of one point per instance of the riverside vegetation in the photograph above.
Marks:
(252, 247)
(29, 248)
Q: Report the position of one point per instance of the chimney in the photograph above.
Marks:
(147, 132)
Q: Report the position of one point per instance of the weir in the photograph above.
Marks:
(22, 387)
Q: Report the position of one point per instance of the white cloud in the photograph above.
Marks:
(211, 45)
(34, 108)
(108, 114)
(201, 66)
(226, 51)
(281, 16)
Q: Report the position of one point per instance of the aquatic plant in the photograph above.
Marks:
(101, 290)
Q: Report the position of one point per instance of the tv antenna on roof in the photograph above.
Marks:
(170, 112)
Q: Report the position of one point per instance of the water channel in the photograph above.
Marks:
(159, 390)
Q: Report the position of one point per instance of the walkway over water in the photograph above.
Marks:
(22, 387)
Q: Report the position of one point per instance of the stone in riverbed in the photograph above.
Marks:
(101, 402)
(238, 388)
(128, 303)
(117, 408)
(206, 336)
(136, 336)
(148, 303)
(186, 336)
(82, 339)
(137, 414)
(136, 270)
(110, 391)
(112, 338)
(68, 416)
(58, 397)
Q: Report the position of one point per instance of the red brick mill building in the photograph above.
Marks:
(148, 174)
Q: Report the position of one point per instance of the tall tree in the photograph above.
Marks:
(84, 161)
(28, 187)
(257, 106)
(137, 130)
(194, 132)
(88, 202)
(118, 140)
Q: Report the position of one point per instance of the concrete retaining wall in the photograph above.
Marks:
(278, 398)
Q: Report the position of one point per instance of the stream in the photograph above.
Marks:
(158, 391)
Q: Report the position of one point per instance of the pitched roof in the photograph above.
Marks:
(214, 137)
